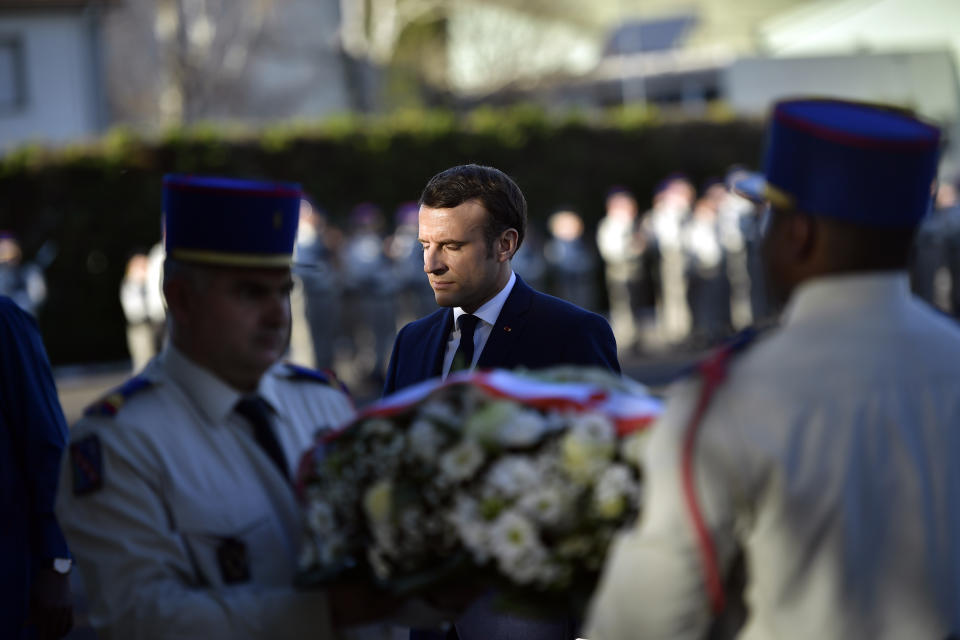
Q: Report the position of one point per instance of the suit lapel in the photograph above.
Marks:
(436, 345)
(502, 345)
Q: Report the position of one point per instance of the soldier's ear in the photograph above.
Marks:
(506, 245)
(178, 294)
(806, 236)
(800, 236)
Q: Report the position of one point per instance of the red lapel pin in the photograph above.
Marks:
(507, 329)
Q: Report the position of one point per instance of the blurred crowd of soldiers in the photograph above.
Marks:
(683, 274)
(935, 272)
(23, 280)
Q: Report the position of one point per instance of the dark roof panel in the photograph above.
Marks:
(642, 36)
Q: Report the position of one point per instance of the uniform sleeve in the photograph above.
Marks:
(654, 584)
(139, 572)
(28, 399)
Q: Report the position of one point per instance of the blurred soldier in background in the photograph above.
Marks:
(35, 563)
(708, 290)
(370, 290)
(621, 246)
(178, 496)
(529, 263)
(948, 207)
(933, 268)
(825, 453)
(415, 297)
(21, 281)
(671, 209)
(316, 267)
(731, 211)
(142, 303)
(752, 226)
(570, 260)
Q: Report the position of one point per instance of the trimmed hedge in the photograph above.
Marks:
(99, 202)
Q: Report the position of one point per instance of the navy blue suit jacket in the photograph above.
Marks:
(33, 434)
(534, 331)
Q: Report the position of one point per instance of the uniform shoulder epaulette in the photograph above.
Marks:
(715, 365)
(325, 376)
(715, 362)
(111, 403)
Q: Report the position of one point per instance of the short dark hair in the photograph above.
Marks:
(492, 188)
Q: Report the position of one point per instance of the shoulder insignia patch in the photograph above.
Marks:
(110, 404)
(715, 362)
(326, 376)
(87, 462)
(715, 365)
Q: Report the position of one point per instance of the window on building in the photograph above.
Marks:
(13, 94)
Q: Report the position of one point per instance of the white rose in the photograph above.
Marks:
(424, 439)
(461, 461)
(520, 554)
(544, 505)
(486, 422)
(320, 518)
(513, 535)
(524, 428)
(588, 446)
(472, 529)
(613, 491)
(512, 476)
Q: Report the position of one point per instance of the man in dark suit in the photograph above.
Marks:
(472, 221)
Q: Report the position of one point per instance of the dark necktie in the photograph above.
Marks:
(255, 410)
(463, 358)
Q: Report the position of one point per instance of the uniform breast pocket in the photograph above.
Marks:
(233, 548)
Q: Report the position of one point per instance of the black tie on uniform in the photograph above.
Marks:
(257, 412)
(463, 358)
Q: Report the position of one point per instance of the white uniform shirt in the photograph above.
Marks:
(830, 456)
(182, 473)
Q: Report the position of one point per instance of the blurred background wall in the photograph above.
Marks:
(364, 100)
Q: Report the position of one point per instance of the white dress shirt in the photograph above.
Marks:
(488, 314)
(829, 456)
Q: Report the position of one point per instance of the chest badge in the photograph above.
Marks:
(87, 462)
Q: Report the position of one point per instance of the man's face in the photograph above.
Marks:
(239, 321)
(9, 251)
(463, 270)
